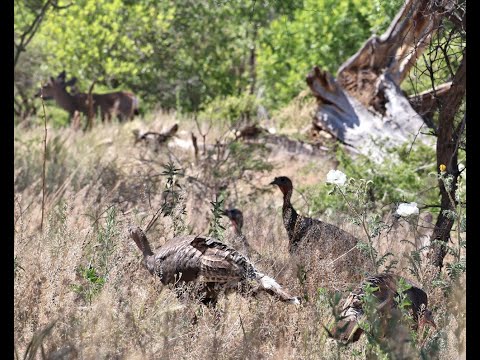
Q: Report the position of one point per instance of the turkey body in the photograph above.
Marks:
(207, 261)
(386, 294)
(313, 240)
(198, 258)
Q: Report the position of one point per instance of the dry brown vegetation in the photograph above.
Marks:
(99, 182)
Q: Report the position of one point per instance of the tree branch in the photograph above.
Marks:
(447, 153)
(427, 102)
(31, 30)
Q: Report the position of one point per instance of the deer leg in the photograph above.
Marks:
(133, 111)
(75, 119)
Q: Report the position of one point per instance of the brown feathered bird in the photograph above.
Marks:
(386, 294)
(236, 218)
(305, 233)
(205, 260)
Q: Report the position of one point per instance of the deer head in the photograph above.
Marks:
(47, 91)
(55, 84)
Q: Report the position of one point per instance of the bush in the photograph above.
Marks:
(408, 176)
(231, 111)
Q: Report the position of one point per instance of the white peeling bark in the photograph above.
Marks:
(365, 106)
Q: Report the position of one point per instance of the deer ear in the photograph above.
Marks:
(52, 79)
(62, 75)
(71, 82)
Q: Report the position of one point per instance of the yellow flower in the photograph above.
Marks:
(443, 168)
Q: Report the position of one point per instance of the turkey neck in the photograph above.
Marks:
(143, 245)
(238, 231)
(289, 213)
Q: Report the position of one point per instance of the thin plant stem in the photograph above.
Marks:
(362, 218)
(342, 255)
(456, 208)
(44, 160)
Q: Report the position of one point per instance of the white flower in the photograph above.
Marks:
(336, 177)
(407, 209)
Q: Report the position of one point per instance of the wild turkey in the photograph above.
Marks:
(347, 329)
(306, 235)
(236, 217)
(207, 261)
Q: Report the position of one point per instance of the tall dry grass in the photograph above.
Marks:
(84, 275)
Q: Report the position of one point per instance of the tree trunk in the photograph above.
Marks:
(252, 62)
(90, 107)
(447, 152)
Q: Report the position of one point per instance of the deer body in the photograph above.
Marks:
(121, 103)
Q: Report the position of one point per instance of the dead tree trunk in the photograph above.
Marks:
(365, 105)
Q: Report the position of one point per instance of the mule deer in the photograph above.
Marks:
(121, 103)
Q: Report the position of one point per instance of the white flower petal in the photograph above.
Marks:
(336, 177)
(407, 209)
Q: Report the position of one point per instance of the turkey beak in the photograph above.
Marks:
(431, 322)
(274, 182)
(428, 319)
(226, 213)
